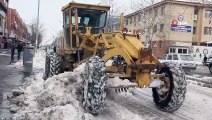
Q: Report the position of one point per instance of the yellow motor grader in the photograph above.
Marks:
(85, 41)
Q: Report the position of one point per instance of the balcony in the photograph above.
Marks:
(3, 3)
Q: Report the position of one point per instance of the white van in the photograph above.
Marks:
(185, 60)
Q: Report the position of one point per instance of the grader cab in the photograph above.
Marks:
(85, 41)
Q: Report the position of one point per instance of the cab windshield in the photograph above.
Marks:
(91, 18)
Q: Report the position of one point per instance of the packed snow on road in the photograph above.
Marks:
(59, 98)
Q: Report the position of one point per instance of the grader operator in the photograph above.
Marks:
(85, 41)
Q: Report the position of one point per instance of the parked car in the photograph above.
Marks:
(209, 60)
(186, 61)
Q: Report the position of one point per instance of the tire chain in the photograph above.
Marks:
(179, 89)
(94, 82)
(47, 67)
(54, 64)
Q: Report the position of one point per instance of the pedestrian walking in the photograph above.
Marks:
(12, 52)
(1, 45)
(205, 60)
(19, 49)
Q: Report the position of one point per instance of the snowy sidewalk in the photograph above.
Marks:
(205, 81)
(11, 76)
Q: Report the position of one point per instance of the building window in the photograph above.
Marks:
(172, 50)
(160, 43)
(134, 21)
(194, 30)
(196, 10)
(155, 29)
(180, 50)
(162, 10)
(208, 13)
(207, 30)
(150, 12)
(139, 18)
(185, 51)
(130, 20)
(161, 27)
(156, 12)
(148, 30)
(126, 22)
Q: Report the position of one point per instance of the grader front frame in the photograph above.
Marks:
(131, 60)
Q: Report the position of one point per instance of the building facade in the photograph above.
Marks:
(3, 23)
(17, 29)
(169, 22)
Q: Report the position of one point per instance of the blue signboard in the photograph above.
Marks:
(181, 28)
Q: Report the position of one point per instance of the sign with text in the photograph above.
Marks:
(181, 28)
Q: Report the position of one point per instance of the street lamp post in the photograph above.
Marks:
(37, 26)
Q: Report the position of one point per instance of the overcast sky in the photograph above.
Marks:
(50, 11)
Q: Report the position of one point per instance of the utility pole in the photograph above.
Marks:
(37, 27)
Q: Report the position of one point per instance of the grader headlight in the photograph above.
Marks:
(125, 31)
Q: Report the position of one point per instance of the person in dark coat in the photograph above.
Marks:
(205, 59)
(19, 49)
(12, 52)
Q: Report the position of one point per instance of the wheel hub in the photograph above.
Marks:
(163, 90)
(210, 69)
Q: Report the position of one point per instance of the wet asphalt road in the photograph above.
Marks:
(10, 78)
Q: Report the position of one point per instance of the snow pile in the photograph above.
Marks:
(201, 81)
(57, 98)
(113, 82)
(4, 54)
(18, 64)
(39, 60)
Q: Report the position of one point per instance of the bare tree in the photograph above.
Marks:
(41, 32)
(59, 37)
(114, 14)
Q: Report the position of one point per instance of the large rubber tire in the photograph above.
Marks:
(175, 96)
(94, 82)
(210, 68)
(47, 67)
(54, 64)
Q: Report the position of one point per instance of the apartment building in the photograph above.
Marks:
(3, 20)
(170, 21)
(17, 29)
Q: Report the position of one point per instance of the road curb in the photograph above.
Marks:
(200, 81)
